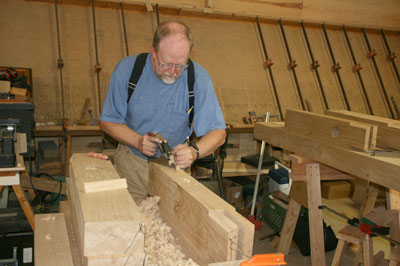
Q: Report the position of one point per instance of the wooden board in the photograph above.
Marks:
(207, 228)
(382, 171)
(43, 184)
(108, 222)
(51, 241)
(388, 129)
(330, 130)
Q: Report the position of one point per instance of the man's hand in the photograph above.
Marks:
(184, 155)
(148, 145)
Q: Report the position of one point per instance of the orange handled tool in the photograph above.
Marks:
(265, 260)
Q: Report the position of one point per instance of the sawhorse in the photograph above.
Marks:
(306, 191)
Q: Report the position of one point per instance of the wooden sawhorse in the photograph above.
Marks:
(306, 191)
(11, 177)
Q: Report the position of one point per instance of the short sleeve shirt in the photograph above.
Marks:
(158, 107)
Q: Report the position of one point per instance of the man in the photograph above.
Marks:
(160, 104)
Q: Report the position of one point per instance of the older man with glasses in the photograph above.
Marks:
(159, 103)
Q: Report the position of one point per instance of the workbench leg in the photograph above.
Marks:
(26, 206)
(317, 246)
(289, 225)
(369, 204)
(68, 155)
(340, 249)
(368, 255)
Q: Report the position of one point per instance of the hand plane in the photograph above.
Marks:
(164, 147)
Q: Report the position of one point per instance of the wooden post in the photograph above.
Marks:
(289, 225)
(317, 246)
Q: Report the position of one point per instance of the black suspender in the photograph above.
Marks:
(191, 92)
(137, 72)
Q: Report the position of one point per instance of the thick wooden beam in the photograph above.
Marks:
(388, 129)
(43, 184)
(51, 241)
(332, 130)
(380, 170)
(207, 228)
(108, 223)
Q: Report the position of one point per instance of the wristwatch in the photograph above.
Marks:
(192, 144)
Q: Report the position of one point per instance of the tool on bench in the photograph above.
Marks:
(92, 117)
(252, 118)
(366, 226)
(385, 153)
(164, 147)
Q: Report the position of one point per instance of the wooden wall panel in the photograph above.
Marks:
(385, 67)
(383, 13)
(230, 49)
(283, 79)
(328, 79)
(347, 75)
(233, 58)
(298, 49)
(367, 73)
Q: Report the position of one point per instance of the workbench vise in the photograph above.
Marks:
(8, 136)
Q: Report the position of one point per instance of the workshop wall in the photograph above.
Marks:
(229, 49)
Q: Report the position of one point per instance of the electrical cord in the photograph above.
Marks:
(43, 202)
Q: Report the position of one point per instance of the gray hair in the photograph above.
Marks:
(167, 28)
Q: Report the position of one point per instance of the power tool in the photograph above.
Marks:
(8, 135)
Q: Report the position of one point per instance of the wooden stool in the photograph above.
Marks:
(352, 234)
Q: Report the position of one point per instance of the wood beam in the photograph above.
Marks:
(108, 223)
(382, 171)
(208, 228)
(43, 184)
(51, 241)
(291, 12)
(332, 130)
(388, 136)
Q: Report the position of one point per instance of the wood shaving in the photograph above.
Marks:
(159, 243)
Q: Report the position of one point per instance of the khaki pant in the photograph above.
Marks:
(134, 169)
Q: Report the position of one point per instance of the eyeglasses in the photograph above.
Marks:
(176, 66)
(168, 66)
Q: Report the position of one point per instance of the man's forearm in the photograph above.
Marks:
(211, 141)
(122, 133)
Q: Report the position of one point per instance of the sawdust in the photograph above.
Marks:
(159, 243)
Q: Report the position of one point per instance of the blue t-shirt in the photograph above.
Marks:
(158, 107)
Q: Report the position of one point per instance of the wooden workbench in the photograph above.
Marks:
(71, 131)
(11, 177)
(383, 171)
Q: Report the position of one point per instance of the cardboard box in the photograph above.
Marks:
(5, 86)
(18, 91)
(233, 192)
(335, 189)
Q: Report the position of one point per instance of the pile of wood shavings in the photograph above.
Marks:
(159, 244)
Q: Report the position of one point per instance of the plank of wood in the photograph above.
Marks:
(317, 244)
(382, 171)
(104, 185)
(206, 226)
(108, 222)
(330, 130)
(43, 184)
(289, 225)
(388, 136)
(51, 240)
